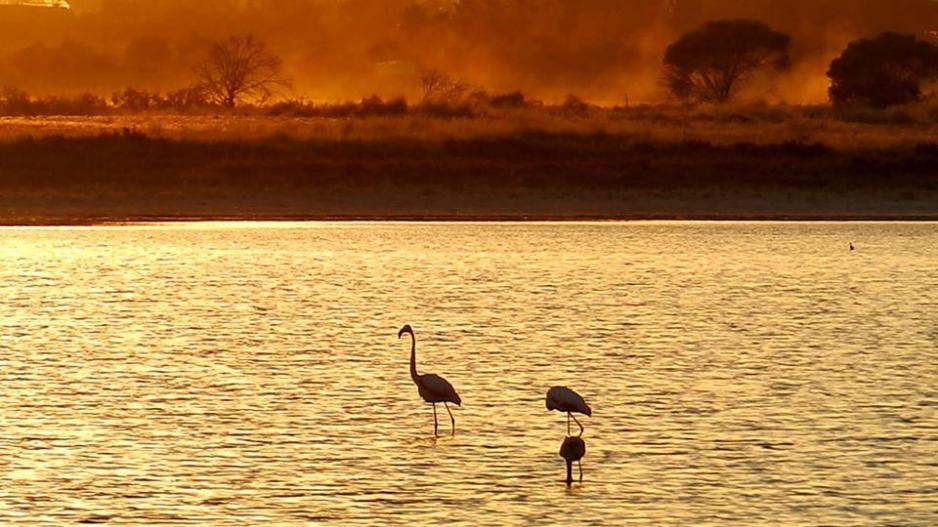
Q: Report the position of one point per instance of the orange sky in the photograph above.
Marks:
(603, 50)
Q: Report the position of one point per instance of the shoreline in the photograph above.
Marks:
(115, 221)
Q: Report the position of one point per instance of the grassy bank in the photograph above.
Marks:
(529, 165)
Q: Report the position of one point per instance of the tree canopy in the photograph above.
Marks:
(883, 71)
(711, 63)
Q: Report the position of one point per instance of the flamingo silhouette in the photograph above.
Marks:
(573, 449)
(432, 388)
(564, 399)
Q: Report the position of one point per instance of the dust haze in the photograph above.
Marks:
(606, 51)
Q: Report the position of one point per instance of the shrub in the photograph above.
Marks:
(513, 99)
(134, 100)
(884, 71)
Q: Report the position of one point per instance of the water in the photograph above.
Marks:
(250, 374)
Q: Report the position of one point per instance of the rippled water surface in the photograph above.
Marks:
(250, 374)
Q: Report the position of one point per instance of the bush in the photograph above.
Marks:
(884, 71)
(185, 99)
(575, 106)
(514, 99)
(15, 102)
(869, 115)
(447, 111)
(373, 106)
(18, 103)
(135, 100)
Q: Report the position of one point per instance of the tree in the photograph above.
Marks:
(240, 68)
(711, 63)
(134, 100)
(883, 71)
(440, 88)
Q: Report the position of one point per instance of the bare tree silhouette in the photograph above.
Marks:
(438, 87)
(240, 68)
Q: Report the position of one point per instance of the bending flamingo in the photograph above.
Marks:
(564, 399)
(432, 388)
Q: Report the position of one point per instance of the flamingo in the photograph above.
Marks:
(432, 388)
(564, 399)
(573, 449)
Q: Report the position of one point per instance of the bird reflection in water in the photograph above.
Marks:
(573, 450)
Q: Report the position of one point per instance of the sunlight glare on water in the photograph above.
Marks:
(250, 374)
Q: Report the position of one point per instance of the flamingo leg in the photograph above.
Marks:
(435, 422)
(451, 418)
(578, 424)
(568, 423)
(580, 465)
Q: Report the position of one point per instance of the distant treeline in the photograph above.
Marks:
(710, 65)
(15, 103)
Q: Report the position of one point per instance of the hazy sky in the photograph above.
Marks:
(602, 50)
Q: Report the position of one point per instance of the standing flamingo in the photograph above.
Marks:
(432, 388)
(573, 449)
(564, 399)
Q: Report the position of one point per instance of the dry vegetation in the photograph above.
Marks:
(844, 129)
(182, 136)
(564, 161)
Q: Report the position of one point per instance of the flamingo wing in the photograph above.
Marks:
(566, 400)
(438, 390)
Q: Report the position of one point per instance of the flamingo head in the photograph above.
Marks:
(405, 329)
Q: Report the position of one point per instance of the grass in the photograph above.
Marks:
(756, 161)
(840, 129)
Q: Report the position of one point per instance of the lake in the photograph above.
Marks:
(250, 373)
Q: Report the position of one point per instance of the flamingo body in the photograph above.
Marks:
(435, 389)
(431, 387)
(563, 399)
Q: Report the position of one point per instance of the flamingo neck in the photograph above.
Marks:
(413, 358)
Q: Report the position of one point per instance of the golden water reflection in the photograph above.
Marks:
(237, 374)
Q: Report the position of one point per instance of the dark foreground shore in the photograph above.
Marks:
(532, 176)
